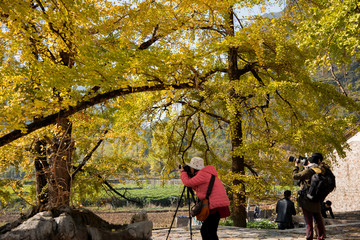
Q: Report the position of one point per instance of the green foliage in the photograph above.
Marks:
(226, 222)
(16, 194)
(262, 224)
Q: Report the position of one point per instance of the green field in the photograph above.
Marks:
(137, 195)
(155, 195)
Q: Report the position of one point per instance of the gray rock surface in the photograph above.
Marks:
(76, 225)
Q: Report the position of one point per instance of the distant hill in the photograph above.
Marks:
(273, 14)
(349, 79)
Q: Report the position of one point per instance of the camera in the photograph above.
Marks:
(301, 160)
(187, 170)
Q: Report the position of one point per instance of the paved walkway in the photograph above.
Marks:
(346, 231)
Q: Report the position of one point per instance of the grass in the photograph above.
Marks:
(151, 191)
(155, 195)
(261, 224)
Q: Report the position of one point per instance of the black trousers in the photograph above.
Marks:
(209, 227)
(285, 225)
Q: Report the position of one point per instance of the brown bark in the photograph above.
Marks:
(41, 173)
(238, 165)
(239, 214)
(59, 178)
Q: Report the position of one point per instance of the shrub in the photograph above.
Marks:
(227, 222)
(263, 224)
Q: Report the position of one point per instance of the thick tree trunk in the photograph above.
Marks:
(41, 173)
(238, 166)
(59, 180)
(239, 197)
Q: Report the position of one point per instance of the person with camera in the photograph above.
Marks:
(285, 208)
(198, 178)
(311, 209)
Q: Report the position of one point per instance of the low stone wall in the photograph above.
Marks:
(266, 213)
(347, 193)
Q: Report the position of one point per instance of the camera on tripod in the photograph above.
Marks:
(301, 160)
(187, 170)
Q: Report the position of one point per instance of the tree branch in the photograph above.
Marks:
(115, 191)
(48, 120)
(251, 169)
(104, 181)
(205, 139)
(184, 134)
(87, 157)
(337, 80)
(152, 40)
(205, 112)
(288, 103)
(247, 68)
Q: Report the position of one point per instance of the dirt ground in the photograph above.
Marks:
(160, 219)
(8, 217)
(163, 218)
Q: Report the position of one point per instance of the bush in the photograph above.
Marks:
(262, 224)
(227, 222)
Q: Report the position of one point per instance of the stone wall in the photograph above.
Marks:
(346, 196)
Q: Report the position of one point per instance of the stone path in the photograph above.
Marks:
(346, 231)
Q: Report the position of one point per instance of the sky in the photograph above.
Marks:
(274, 6)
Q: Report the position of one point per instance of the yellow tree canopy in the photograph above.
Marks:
(159, 70)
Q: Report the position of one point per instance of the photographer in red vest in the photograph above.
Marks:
(218, 200)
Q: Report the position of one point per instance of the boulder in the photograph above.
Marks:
(73, 224)
(40, 227)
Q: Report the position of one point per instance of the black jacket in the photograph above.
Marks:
(324, 209)
(285, 209)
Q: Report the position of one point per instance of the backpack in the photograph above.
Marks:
(321, 185)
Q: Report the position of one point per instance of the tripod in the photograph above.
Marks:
(189, 191)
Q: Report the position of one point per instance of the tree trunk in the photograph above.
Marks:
(59, 180)
(238, 166)
(239, 196)
(41, 173)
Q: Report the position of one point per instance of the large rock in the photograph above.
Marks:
(69, 224)
(67, 229)
(40, 227)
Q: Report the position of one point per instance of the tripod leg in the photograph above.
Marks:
(189, 202)
(172, 222)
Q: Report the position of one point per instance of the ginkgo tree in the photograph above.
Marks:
(60, 58)
(262, 98)
(190, 74)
